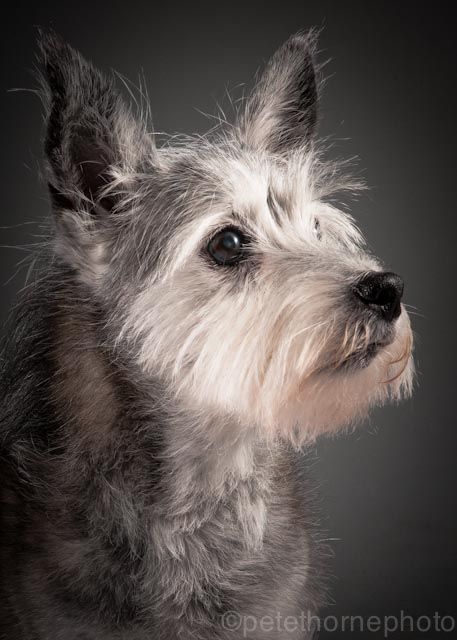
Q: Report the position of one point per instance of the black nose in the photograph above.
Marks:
(382, 291)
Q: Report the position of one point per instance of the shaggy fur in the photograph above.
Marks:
(154, 400)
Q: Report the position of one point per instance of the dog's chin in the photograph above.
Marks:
(361, 358)
(338, 398)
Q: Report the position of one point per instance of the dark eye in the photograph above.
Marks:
(317, 229)
(227, 246)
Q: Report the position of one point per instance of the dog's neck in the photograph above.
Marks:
(196, 466)
(208, 478)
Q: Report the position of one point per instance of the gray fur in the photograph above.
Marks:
(146, 490)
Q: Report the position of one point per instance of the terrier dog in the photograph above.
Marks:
(201, 312)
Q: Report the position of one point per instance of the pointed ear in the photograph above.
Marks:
(91, 134)
(281, 113)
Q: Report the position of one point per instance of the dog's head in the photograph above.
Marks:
(219, 261)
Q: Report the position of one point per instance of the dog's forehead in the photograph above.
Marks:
(259, 188)
(272, 194)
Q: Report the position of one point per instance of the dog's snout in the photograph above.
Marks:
(382, 292)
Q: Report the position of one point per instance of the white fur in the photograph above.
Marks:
(267, 351)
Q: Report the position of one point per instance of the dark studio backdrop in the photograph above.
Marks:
(389, 490)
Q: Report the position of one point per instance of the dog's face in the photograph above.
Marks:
(220, 262)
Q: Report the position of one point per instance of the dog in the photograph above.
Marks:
(201, 313)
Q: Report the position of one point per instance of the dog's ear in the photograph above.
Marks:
(281, 113)
(91, 133)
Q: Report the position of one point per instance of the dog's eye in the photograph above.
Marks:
(227, 246)
(317, 229)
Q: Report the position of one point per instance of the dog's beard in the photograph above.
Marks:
(283, 373)
(340, 395)
(332, 389)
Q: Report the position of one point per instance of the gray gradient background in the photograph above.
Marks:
(389, 490)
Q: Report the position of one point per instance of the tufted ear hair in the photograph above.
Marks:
(91, 132)
(281, 113)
